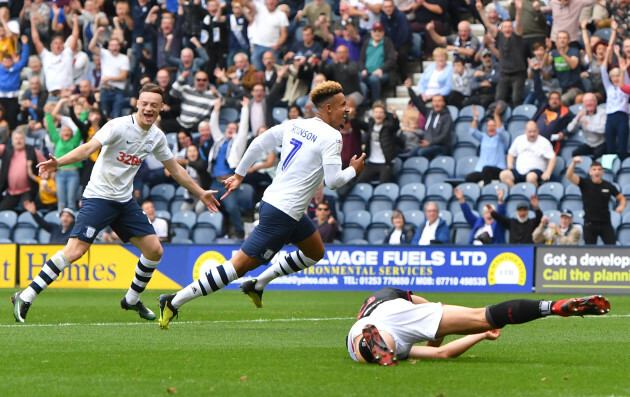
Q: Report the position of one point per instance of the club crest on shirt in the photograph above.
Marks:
(148, 147)
(339, 143)
(89, 232)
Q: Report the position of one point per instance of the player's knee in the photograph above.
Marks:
(154, 253)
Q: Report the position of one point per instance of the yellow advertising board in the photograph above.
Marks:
(102, 267)
(8, 255)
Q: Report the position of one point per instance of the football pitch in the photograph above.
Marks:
(80, 343)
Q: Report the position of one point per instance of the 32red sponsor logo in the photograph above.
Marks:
(128, 159)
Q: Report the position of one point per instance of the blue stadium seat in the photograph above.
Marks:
(362, 190)
(466, 113)
(352, 204)
(623, 234)
(43, 236)
(440, 168)
(182, 224)
(464, 136)
(459, 219)
(161, 195)
(383, 218)
(549, 195)
(181, 240)
(214, 219)
(163, 215)
(447, 216)
(578, 217)
(409, 177)
(26, 218)
(615, 219)
(8, 219)
(376, 233)
(465, 165)
(245, 197)
(203, 233)
(558, 169)
(553, 215)
(406, 203)
(524, 112)
(175, 206)
(361, 218)
(416, 163)
(388, 190)
(414, 218)
(180, 192)
(575, 108)
(461, 234)
(572, 190)
(52, 217)
(380, 203)
(228, 115)
(415, 190)
(352, 232)
(516, 127)
(439, 193)
(523, 189)
(453, 111)
(280, 114)
(171, 139)
(461, 150)
(23, 233)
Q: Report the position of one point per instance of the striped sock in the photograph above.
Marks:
(216, 278)
(49, 273)
(144, 271)
(292, 263)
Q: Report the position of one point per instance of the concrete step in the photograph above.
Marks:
(399, 103)
(401, 91)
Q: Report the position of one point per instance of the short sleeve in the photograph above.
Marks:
(331, 150)
(548, 152)
(161, 150)
(513, 151)
(614, 192)
(104, 135)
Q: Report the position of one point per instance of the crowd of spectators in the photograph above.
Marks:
(229, 69)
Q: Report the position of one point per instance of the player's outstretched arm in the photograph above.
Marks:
(335, 178)
(455, 348)
(78, 154)
(183, 178)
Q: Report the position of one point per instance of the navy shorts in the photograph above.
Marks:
(126, 219)
(275, 230)
(518, 178)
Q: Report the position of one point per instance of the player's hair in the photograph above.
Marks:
(596, 164)
(324, 91)
(150, 87)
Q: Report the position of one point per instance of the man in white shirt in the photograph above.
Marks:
(534, 156)
(271, 27)
(57, 62)
(311, 152)
(114, 71)
(124, 143)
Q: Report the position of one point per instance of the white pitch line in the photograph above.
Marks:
(260, 320)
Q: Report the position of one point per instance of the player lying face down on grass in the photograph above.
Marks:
(311, 153)
(391, 322)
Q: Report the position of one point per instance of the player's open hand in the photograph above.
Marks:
(231, 184)
(47, 166)
(210, 201)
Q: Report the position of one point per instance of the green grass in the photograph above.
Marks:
(78, 342)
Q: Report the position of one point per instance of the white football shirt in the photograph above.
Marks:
(125, 146)
(307, 145)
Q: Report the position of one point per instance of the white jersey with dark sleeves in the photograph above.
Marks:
(125, 146)
(307, 146)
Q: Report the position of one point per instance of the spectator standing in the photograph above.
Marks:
(566, 17)
(187, 59)
(351, 135)
(552, 117)
(198, 171)
(47, 189)
(397, 29)
(566, 63)
(485, 230)
(57, 62)
(534, 24)
(32, 103)
(437, 137)
(400, 233)
(225, 154)
(378, 59)
(491, 149)
(566, 233)
(521, 227)
(326, 224)
(538, 62)
(318, 13)
(59, 234)
(509, 42)
(114, 72)
(238, 40)
(344, 71)
(367, 11)
(169, 24)
(380, 148)
(596, 194)
(461, 86)
(216, 28)
(434, 231)
(10, 83)
(427, 11)
(530, 158)
(462, 44)
(270, 25)
(592, 121)
(171, 105)
(616, 105)
(14, 180)
(65, 141)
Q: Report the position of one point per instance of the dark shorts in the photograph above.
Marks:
(126, 219)
(521, 178)
(275, 230)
